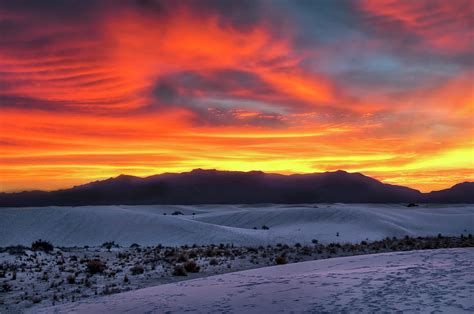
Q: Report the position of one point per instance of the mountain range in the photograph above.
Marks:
(234, 187)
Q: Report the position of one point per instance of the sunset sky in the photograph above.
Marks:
(93, 89)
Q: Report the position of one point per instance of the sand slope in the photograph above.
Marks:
(417, 281)
(146, 225)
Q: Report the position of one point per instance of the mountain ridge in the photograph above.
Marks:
(211, 186)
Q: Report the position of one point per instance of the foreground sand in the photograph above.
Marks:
(417, 281)
(32, 278)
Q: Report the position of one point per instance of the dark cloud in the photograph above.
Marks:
(333, 38)
(171, 88)
(225, 116)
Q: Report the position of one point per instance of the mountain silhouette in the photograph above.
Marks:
(234, 187)
(459, 193)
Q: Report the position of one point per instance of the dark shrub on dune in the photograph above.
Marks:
(281, 260)
(41, 245)
(179, 270)
(6, 287)
(95, 266)
(137, 270)
(192, 267)
(109, 245)
(71, 279)
(16, 250)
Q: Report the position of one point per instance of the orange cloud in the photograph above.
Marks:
(443, 25)
(84, 105)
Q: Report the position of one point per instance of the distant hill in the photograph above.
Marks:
(234, 187)
(459, 193)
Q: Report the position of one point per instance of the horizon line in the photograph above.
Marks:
(218, 170)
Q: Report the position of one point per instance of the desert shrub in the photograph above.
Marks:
(182, 258)
(175, 213)
(125, 279)
(41, 245)
(409, 241)
(95, 266)
(71, 279)
(137, 270)
(213, 262)
(134, 245)
(252, 250)
(6, 287)
(426, 246)
(36, 299)
(109, 245)
(412, 205)
(314, 241)
(86, 281)
(193, 254)
(16, 250)
(122, 255)
(281, 260)
(192, 267)
(179, 270)
(298, 245)
(110, 289)
(210, 252)
(264, 227)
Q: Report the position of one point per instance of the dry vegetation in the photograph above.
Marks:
(47, 275)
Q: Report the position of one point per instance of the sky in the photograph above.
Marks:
(93, 89)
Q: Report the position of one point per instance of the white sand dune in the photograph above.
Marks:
(417, 281)
(147, 225)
